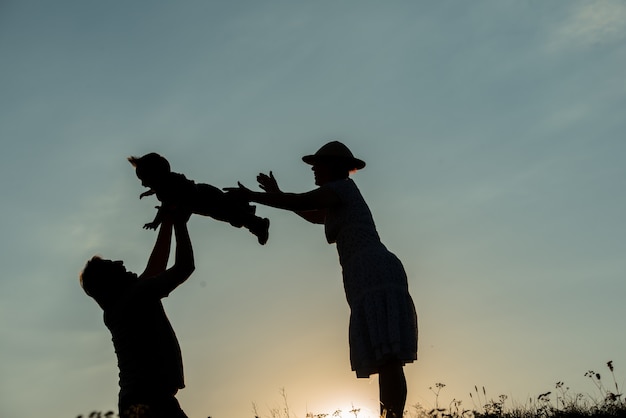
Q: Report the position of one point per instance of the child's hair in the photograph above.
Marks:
(150, 165)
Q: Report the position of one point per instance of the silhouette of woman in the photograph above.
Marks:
(383, 321)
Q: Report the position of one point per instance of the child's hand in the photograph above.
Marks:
(268, 183)
(151, 225)
(157, 219)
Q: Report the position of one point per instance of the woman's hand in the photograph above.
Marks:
(241, 191)
(268, 183)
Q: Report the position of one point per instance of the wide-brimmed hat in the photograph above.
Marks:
(334, 152)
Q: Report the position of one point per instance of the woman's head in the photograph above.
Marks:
(333, 161)
(324, 173)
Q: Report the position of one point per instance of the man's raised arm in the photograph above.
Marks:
(157, 263)
(156, 276)
(184, 263)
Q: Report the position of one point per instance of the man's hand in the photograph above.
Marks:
(171, 218)
(175, 214)
(180, 215)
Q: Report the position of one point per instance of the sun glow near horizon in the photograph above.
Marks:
(342, 409)
(347, 404)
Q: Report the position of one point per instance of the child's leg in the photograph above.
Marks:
(229, 207)
(224, 207)
(392, 387)
(258, 226)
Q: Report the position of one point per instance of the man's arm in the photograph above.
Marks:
(157, 263)
(166, 280)
(184, 263)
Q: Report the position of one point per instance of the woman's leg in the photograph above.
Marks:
(392, 386)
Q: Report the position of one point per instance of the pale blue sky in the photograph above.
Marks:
(494, 137)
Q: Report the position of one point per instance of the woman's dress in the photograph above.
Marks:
(383, 321)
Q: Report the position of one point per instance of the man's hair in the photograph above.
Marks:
(93, 282)
(152, 164)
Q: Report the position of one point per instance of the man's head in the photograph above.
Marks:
(104, 279)
(150, 168)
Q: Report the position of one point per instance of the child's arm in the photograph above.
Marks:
(170, 193)
(148, 193)
(158, 219)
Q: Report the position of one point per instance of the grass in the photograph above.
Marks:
(558, 403)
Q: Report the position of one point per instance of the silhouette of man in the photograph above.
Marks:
(148, 354)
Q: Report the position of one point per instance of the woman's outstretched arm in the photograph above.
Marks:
(317, 199)
(314, 200)
(268, 183)
(313, 216)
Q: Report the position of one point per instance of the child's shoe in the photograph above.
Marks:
(260, 227)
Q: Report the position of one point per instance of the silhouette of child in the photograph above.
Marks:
(174, 190)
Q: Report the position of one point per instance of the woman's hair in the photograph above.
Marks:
(341, 171)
